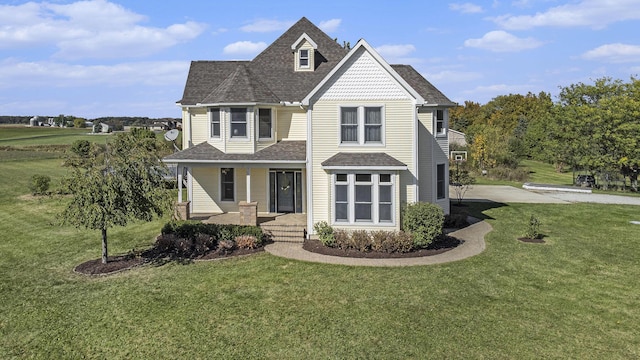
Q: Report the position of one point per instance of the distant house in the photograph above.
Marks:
(457, 137)
(311, 127)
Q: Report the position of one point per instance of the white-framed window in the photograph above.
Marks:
(440, 181)
(265, 124)
(214, 116)
(239, 122)
(363, 198)
(361, 125)
(227, 185)
(303, 58)
(440, 122)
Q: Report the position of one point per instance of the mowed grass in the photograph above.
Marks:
(20, 135)
(575, 296)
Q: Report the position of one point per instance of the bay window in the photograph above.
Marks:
(363, 198)
(214, 115)
(239, 122)
(265, 124)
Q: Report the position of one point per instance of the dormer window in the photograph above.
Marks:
(303, 58)
(304, 51)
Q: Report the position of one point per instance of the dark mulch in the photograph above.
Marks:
(113, 265)
(530, 240)
(126, 262)
(443, 245)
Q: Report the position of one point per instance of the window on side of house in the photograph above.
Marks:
(349, 125)
(361, 125)
(303, 56)
(265, 124)
(227, 184)
(440, 181)
(440, 122)
(363, 198)
(238, 122)
(372, 124)
(215, 122)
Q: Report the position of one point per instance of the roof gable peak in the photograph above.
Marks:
(304, 37)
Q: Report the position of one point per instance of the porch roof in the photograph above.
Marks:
(363, 161)
(280, 152)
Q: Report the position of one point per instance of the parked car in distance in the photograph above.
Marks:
(585, 180)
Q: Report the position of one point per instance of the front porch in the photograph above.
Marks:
(280, 227)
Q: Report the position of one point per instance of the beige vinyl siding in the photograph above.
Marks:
(199, 125)
(259, 188)
(398, 128)
(425, 156)
(291, 124)
(185, 128)
(205, 182)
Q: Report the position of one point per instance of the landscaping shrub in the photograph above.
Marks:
(39, 184)
(193, 238)
(378, 239)
(391, 241)
(360, 240)
(246, 242)
(424, 222)
(342, 239)
(325, 233)
(533, 228)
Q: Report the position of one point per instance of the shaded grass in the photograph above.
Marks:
(575, 296)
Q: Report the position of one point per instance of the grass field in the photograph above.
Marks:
(573, 297)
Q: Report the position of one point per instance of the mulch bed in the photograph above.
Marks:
(443, 245)
(530, 240)
(125, 262)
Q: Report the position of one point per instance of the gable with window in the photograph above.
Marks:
(304, 49)
(361, 125)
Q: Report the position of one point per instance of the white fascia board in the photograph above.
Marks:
(226, 104)
(367, 168)
(302, 37)
(362, 43)
(253, 163)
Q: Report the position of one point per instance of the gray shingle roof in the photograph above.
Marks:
(271, 77)
(429, 92)
(363, 160)
(281, 151)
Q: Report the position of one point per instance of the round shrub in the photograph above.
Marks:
(424, 222)
(325, 233)
(39, 184)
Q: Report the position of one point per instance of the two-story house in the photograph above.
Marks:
(309, 126)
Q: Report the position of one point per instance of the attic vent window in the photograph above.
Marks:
(304, 58)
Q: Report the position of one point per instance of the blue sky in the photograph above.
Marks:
(130, 58)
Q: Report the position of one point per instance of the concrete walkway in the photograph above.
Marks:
(472, 237)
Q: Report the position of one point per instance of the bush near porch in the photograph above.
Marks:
(189, 239)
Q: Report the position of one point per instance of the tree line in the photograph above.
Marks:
(592, 128)
(116, 122)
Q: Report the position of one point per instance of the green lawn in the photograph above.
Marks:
(29, 136)
(575, 296)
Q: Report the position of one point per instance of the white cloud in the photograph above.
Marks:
(330, 25)
(614, 53)
(590, 13)
(502, 41)
(449, 76)
(395, 51)
(244, 48)
(14, 74)
(88, 29)
(267, 26)
(466, 8)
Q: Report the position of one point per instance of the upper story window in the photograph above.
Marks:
(361, 125)
(239, 122)
(440, 125)
(214, 115)
(303, 58)
(265, 124)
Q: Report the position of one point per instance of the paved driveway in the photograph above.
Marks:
(507, 194)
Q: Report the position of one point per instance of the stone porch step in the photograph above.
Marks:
(285, 233)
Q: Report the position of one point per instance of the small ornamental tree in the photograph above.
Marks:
(117, 184)
(460, 180)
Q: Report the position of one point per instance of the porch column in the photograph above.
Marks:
(179, 183)
(248, 185)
